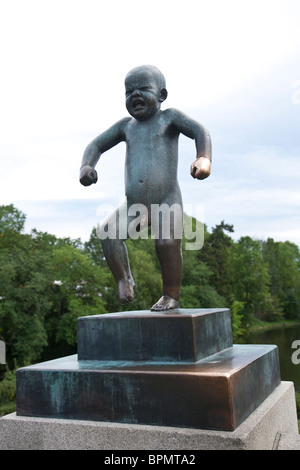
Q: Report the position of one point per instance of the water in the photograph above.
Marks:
(283, 338)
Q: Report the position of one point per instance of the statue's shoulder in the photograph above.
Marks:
(123, 124)
(171, 113)
(124, 121)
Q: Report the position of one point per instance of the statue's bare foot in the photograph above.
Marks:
(126, 293)
(165, 303)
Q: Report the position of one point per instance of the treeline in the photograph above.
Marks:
(46, 283)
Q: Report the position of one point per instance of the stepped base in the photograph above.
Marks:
(218, 392)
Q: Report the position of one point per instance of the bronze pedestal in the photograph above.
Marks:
(159, 383)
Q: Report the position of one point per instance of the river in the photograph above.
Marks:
(283, 338)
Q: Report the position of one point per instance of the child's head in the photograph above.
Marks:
(145, 88)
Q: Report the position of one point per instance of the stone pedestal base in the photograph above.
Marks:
(273, 425)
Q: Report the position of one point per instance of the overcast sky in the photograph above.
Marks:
(234, 66)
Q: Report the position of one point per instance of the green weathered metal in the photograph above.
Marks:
(218, 392)
(186, 335)
(151, 137)
(177, 368)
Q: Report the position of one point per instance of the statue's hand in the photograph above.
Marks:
(201, 168)
(88, 175)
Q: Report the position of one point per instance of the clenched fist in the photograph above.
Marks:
(201, 168)
(88, 175)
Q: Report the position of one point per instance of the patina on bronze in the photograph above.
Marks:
(218, 392)
(151, 137)
(150, 382)
(183, 335)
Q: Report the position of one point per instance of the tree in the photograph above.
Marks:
(216, 254)
(283, 260)
(251, 281)
(11, 219)
(23, 303)
(236, 310)
(45, 284)
(198, 289)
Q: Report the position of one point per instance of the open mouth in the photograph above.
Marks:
(138, 104)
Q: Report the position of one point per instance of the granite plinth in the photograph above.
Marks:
(218, 392)
(185, 335)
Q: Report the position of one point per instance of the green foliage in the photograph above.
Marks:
(236, 320)
(45, 284)
(216, 253)
(283, 260)
(76, 291)
(8, 393)
(251, 280)
(196, 290)
(23, 302)
(11, 219)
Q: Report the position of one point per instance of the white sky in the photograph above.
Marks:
(233, 65)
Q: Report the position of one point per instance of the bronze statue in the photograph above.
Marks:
(151, 137)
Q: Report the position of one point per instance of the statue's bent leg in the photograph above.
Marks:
(115, 252)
